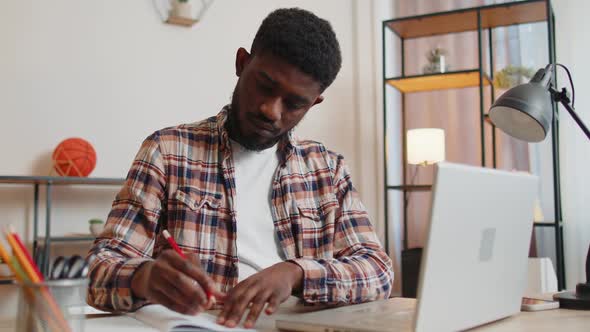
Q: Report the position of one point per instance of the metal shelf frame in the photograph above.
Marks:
(49, 182)
(486, 18)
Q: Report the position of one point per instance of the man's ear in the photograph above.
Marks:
(318, 100)
(242, 59)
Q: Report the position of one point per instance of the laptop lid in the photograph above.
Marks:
(475, 259)
(474, 263)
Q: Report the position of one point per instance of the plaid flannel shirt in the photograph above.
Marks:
(183, 180)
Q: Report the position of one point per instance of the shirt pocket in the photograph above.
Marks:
(193, 219)
(316, 227)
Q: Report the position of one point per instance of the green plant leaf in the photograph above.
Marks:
(511, 75)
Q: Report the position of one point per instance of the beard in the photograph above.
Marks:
(235, 131)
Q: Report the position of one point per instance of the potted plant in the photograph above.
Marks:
(436, 61)
(511, 76)
(181, 8)
(96, 226)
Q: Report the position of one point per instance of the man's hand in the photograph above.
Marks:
(272, 285)
(178, 284)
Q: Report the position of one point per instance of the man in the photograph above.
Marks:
(260, 214)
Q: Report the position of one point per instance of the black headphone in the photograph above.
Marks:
(69, 268)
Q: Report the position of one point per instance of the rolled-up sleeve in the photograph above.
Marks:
(360, 270)
(129, 235)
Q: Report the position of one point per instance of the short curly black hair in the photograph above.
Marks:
(303, 40)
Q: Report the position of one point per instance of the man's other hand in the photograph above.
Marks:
(273, 285)
(177, 283)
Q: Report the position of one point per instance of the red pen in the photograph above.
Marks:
(170, 240)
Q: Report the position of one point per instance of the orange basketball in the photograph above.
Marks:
(74, 157)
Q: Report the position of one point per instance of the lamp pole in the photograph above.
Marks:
(580, 299)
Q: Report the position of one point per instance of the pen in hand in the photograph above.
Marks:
(170, 239)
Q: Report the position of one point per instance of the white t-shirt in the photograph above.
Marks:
(257, 244)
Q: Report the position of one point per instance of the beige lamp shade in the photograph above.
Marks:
(425, 146)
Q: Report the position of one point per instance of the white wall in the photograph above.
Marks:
(572, 51)
(112, 72)
(369, 84)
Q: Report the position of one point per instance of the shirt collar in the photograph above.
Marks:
(286, 146)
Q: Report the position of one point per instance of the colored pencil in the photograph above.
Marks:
(26, 252)
(176, 248)
(21, 277)
(10, 262)
(28, 266)
(22, 259)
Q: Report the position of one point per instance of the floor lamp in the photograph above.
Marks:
(424, 146)
(525, 112)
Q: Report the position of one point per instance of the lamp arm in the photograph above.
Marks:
(576, 118)
(562, 97)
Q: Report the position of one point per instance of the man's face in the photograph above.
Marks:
(270, 98)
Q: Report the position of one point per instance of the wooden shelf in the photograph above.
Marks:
(432, 82)
(183, 21)
(466, 19)
(60, 180)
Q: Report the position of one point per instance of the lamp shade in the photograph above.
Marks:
(425, 146)
(524, 112)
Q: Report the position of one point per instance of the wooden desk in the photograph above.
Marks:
(540, 321)
(543, 321)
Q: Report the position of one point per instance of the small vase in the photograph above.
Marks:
(96, 229)
(181, 9)
(442, 67)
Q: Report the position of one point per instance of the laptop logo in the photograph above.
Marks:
(486, 246)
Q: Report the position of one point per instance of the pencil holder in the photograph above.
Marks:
(56, 305)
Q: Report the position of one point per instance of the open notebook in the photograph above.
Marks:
(167, 320)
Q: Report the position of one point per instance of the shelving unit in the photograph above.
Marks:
(166, 11)
(442, 81)
(462, 20)
(49, 182)
(182, 21)
(477, 19)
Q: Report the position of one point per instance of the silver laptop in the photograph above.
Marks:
(474, 262)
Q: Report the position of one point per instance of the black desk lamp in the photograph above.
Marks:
(525, 112)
